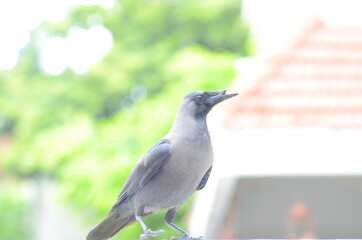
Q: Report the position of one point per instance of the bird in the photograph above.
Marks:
(169, 173)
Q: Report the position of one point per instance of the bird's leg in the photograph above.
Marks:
(170, 215)
(147, 232)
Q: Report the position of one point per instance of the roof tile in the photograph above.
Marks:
(316, 81)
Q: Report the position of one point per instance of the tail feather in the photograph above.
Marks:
(114, 222)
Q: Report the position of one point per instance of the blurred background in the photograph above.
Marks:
(82, 81)
(86, 87)
(287, 150)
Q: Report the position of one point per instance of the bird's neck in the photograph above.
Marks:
(186, 126)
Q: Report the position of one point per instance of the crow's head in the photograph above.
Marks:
(200, 103)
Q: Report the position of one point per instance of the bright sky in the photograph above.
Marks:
(78, 50)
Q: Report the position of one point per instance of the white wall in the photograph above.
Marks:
(272, 22)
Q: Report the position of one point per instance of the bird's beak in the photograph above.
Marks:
(218, 96)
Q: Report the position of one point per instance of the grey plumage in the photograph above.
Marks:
(166, 176)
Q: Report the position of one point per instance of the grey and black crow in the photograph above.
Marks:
(175, 167)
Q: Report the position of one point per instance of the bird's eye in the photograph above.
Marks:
(198, 99)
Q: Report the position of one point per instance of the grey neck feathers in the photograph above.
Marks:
(188, 126)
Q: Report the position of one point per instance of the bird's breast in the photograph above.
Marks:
(191, 159)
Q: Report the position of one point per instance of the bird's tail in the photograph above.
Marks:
(115, 221)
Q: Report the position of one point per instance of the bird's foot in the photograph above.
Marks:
(187, 237)
(149, 233)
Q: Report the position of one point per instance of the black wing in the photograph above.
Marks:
(147, 167)
(204, 180)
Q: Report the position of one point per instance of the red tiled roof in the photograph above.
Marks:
(316, 81)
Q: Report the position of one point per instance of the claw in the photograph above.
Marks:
(149, 233)
(186, 237)
(199, 238)
(175, 238)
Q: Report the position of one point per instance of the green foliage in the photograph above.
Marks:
(13, 217)
(88, 131)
